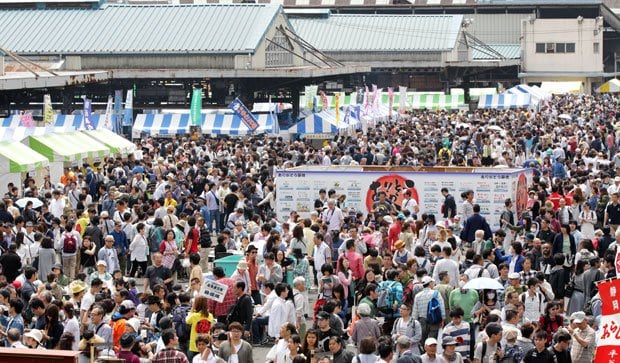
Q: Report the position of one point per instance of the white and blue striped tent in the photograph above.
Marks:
(231, 124)
(214, 124)
(324, 122)
(505, 101)
(69, 122)
(161, 124)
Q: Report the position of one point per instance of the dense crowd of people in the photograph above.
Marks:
(390, 285)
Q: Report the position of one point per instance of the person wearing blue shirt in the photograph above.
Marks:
(120, 245)
(514, 259)
(14, 319)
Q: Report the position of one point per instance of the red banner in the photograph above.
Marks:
(608, 333)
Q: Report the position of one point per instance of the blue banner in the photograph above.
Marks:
(128, 117)
(244, 114)
(88, 115)
(118, 109)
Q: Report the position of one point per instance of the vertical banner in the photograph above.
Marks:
(196, 107)
(244, 114)
(315, 101)
(403, 99)
(324, 101)
(88, 114)
(337, 107)
(25, 118)
(128, 115)
(118, 109)
(390, 100)
(107, 118)
(347, 115)
(310, 92)
(608, 333)
(375, 99)
(366, 100)
(48, 112)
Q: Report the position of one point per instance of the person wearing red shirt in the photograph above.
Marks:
(555, 198)
(356, 263)
(250, 258)
(191, 242)
(394, 231)
(220, 309)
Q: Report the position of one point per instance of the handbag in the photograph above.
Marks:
(570, 287)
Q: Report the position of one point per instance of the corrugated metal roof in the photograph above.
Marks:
(508, 51)
(389, 33)
(117, 29)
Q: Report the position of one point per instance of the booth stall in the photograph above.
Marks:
(17, 161)
(505, 101)
(117, 144)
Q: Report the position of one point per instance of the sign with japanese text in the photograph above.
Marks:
(214, 290)
(244, 114)
(298, 188)
(608, 333)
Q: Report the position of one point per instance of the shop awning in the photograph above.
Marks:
(16, 157)
(611, 86)
(560, 88)
(116, 143)
(230, 124)
(161, 124)
(70, 122)
(19, 133)
(505, 101)
(313, 124)
(437, 102)
(74, 146)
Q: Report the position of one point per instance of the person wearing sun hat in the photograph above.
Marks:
(242, 274)
(401, 255)
(33, 339)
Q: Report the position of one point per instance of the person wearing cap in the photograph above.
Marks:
(33, 339)
(241, 274)
(450, 354)
(121, 245)
(430, 352)
(126, 311)
(127, 342)
(365, 326)
(325, 331)
(584, 338)
(420, 308)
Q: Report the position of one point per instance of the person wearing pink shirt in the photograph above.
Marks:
(356, 263)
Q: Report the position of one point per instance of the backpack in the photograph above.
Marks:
(588, 306)
(433, 313)
(385, 301)
(179, 314)
(153, 239)
(205, 237)
(540, 299)
(69, 243)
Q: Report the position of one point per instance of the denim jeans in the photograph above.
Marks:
(214, 216)
(258, 325)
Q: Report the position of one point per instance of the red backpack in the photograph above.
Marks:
(69, 243)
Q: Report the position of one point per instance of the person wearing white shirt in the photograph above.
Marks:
(448, 265)
(57, 204)
(302, 310)
(262, 313)
(477, 269)
(321, 254)
(533, 301)
(333, 217)
(278, 315)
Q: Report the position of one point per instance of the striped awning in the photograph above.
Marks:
(19, 133)
(16, 157)
(70, 122)
(534, 91)
(74, 146)
(116, 143)
(505, 101)
(161, 124)
(230, 124)
(437, 102)
(313, 124)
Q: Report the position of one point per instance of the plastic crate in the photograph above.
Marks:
(228, 263)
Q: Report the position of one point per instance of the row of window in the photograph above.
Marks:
(562, 47)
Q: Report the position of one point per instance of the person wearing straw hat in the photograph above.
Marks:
(242, 274)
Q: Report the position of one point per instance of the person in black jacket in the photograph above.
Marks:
(241, 311)
(449, 204)
(11, 263)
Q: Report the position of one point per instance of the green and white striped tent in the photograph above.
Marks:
(69, 147)
(435, 102)
(116, 143)
(16, 157)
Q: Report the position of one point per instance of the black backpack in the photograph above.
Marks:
(205, 238)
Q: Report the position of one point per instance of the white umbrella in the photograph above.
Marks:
(565, 117)
(495, 128)
(36, 203)
(483, 283)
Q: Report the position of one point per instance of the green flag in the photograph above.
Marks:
(196, 108)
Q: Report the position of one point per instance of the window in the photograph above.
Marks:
(570, 47)
(560, 47)
(596, 47)
(550, 48)
(540, 47)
